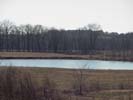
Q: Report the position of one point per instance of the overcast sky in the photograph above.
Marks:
(112, 15)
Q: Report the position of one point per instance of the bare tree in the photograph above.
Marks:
(80, 81)
(93, 27)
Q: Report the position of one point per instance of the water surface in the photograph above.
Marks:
(61, 63)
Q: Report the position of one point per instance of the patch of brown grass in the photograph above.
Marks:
(112, 84)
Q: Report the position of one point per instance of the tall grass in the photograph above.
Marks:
(17, 84)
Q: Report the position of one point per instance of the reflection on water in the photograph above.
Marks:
(59, 63)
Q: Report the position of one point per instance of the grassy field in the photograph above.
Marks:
(100, 84)
(43, 55)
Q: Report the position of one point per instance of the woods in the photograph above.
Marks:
(82, 41)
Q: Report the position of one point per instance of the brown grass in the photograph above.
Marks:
(113, 85)
(44, 55)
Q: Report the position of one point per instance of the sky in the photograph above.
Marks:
(112, 15)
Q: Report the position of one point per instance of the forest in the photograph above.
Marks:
(86, 40)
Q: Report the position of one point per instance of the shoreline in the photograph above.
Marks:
(44, 55)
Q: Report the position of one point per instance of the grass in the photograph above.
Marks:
(112, 84)
(45, 55)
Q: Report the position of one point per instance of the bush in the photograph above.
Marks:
(50, 92)
(16, 85)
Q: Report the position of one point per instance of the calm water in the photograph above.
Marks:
(59, 63)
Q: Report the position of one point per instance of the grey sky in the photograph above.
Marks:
(112, 15)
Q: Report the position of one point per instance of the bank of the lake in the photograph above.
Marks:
(44, 55)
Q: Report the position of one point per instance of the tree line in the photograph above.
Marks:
(37, 38)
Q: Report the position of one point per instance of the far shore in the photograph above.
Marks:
(45, 55)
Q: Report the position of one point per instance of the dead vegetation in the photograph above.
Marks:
(64, 84)
(100, 55)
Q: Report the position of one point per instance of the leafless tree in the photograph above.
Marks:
(80, 81)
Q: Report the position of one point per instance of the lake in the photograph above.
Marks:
(61, 63)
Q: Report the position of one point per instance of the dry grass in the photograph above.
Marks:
(113, 85)
(43, 55)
